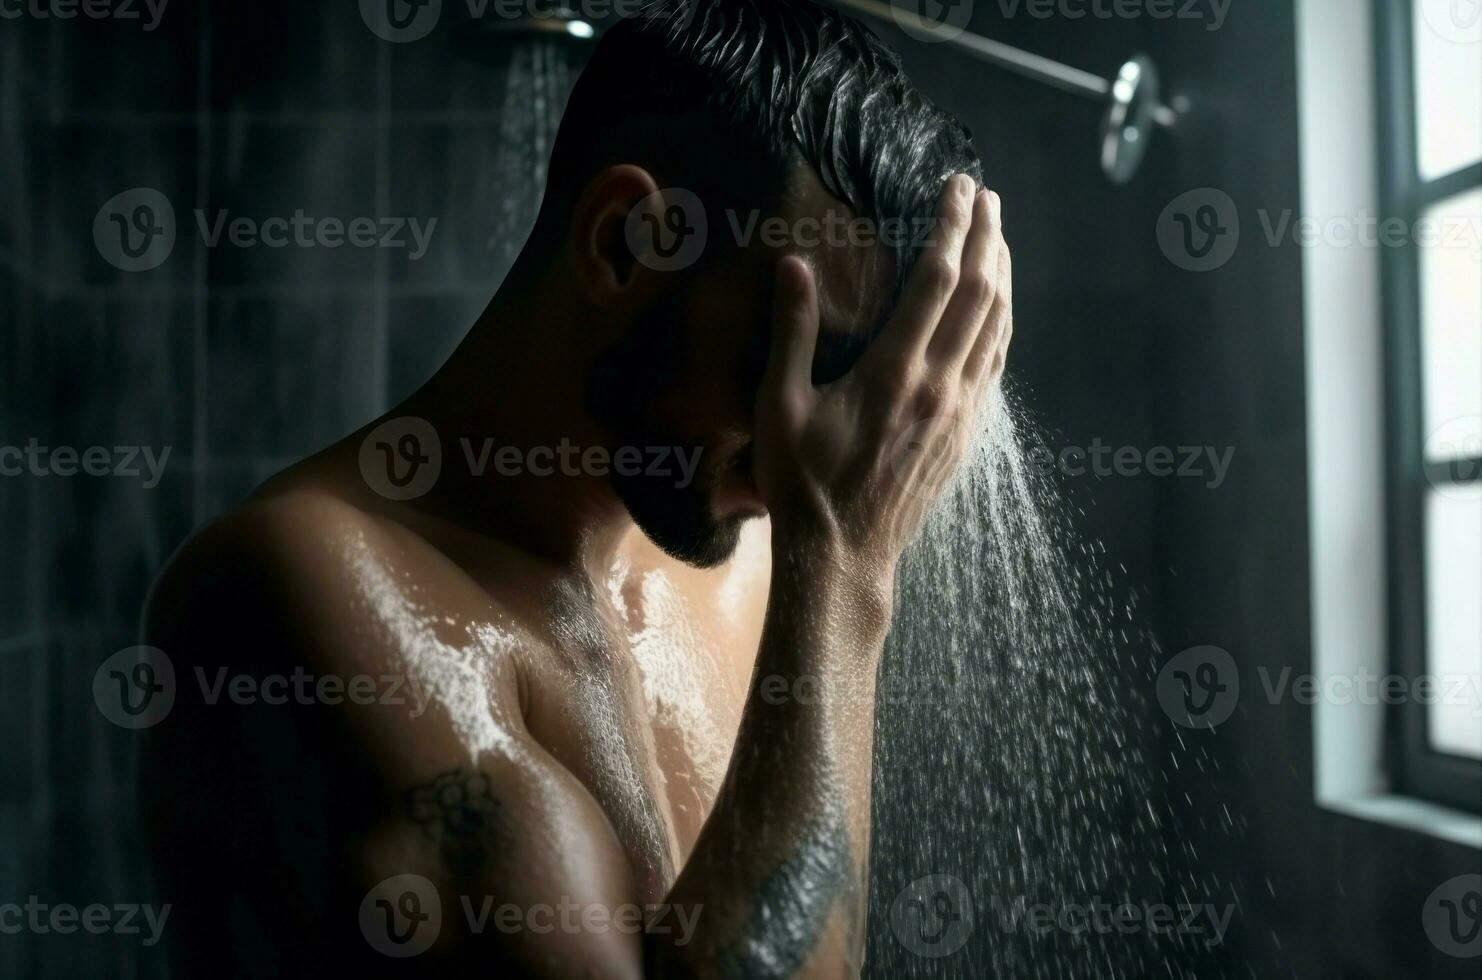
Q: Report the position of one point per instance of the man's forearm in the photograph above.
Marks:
(780, 867)
(848, 479)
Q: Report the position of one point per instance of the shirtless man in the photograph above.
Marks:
(585, 756)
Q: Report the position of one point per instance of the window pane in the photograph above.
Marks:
(1454, 620)
(1451, 325)
(1448, 84)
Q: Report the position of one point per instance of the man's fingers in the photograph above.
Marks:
(989, 350)
(794, 327)
(933, 279)
(967, 311)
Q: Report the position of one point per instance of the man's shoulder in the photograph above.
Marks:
(302, 564)
(276, 551)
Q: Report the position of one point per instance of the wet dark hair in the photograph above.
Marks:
(726, 97)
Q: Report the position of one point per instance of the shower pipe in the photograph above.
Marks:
(1133, 98)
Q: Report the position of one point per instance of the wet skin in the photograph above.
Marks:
(584, 725)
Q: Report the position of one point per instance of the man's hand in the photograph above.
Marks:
(853, 467)
(782, 864)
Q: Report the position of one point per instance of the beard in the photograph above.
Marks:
(679, 520)
(643, 364)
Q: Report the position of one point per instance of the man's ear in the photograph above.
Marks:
(609, 273)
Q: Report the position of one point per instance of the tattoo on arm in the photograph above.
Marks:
(458, 811)
(793, 905)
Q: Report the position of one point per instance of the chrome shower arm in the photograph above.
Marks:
(1132, 99)
(1005, 56)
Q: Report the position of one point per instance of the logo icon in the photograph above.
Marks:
(402, 458)
(933, 916)
(1456, 449)
(932, 21)
(135, 231)
(667, 230)
(1199, 687)
(401, 21)
(1457, 21)
(1200, 230)
(401, 916)
(1453, 916)
(135, 688)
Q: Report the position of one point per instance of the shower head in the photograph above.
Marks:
(487, 37)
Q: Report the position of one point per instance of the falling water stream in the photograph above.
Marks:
(1014, 763)
(537, 80)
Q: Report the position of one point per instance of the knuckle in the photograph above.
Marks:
(931, 400)
(959, 209)
(994, 208)
(977, 287)
(793, 409)
(940, 273)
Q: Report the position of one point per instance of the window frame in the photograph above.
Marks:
(1415, 766)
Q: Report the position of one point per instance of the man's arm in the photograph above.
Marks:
(849, 473)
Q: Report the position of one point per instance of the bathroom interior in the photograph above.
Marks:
(1246, 388)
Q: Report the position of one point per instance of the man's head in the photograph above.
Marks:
(795, 131)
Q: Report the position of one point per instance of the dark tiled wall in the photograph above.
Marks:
(236, 360)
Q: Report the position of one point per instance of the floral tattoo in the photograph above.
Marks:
(458, 811)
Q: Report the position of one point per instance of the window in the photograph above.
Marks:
(1430, 129)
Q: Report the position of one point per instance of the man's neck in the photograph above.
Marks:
(517, 384)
